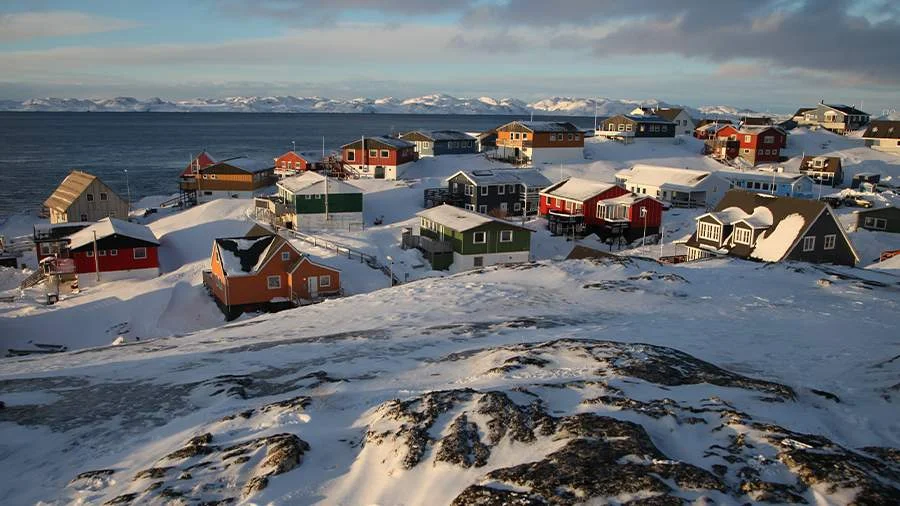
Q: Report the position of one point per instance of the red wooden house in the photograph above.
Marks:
(116, 249)
(292, 163)
(756, 144)
(582, 206)
(379, 157)
(265, 273)
(201, 161)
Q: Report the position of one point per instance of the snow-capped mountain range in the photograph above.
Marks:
(428, 104)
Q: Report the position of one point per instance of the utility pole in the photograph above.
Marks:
(96, 258)
(644, 219)
(128, 187)
(293, 146)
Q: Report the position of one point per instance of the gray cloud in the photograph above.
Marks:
(31, 25)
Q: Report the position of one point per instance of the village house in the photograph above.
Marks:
(310, 201)
(882, 219)
(674, 186)
(825, 170)
(800, 115)
(379, 157)
(837, 118)
(84, 197)
(756, 144)
(115, 248)
(458, 239)
(883, 135)
(631, 127)
(52, 239)
(755, 121)
(580, 207)
(238, 177)
(486, 141)
(539, 142)
(773, 182)
(293, 163)
(499, 192)
(265, 272)
(441, 142)
(684, 123)
(187, 181)
(708, 131)
(763, 227)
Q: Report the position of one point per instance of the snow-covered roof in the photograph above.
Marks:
(459, 219)
(578, 189)
(108, 227)
(544, 126)
(240, 256)
(762, 175)
(883, 129)
(654, 175)
(773, 246)
(313, 181)
(532, 178)
(761, 217)
(443, 135)
(628, 199)
(245, 164)
(644, 118)
(387, 141)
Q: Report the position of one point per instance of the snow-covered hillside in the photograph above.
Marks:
(428, 104)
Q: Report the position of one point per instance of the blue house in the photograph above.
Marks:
(441, 142)
(774, 183)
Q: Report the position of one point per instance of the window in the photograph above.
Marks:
(351, 156)
(273, 282)
(479, 237)
(324, 281)
(621, 127)
(769, 139)
(285, 256)
(759, 152)
(572, 137)
(83, 217)
(385, 153)
(470, 207)
(478, 261)
(308, 196)
(102, 252)
(552, 137)
(510, 188)
(830, 239)
(747, 138)
(104, 196)
(90, 197)
(504, 207)
(113, 252)
(501, 190)
(140, 253)
(743, 235)
(524, 137)
(482, 209)
(90, 254)
(879, 223)
(470, 189)
(517, 206)
(506, 236)
(373, 153)
(628, 127)
(577, 137)
(709, 231)
(809, 243)
(45, 249)
(483, 190)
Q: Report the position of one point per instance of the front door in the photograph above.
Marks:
(313, 286)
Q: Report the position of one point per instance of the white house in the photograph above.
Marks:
(678, 187)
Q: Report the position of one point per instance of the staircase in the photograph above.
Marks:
(35, 278)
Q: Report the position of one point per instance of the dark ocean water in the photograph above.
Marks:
(37, 150)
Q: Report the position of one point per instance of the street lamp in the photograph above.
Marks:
(390, 269)
(128, 187)
(644, 219)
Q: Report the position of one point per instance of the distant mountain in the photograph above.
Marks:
(428, 104)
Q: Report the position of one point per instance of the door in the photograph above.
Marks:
(313, 285)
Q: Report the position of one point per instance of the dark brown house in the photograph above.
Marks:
(883, 219)
(823, 169)
(767, 228)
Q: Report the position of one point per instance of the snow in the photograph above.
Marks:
(773, 246)
(249, 164)
(578, 189)
(651, 175)
(309, 183)
(761, 218)
(455, 218)
(108, 227)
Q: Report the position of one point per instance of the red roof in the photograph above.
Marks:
(201, 161)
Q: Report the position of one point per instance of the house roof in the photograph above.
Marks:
(846, 109)
(442, 135)
(828, 163)
(70, 189)
(240, 256)
(245, 164)
(200, 161)
(641, 118)
(763, 175)
(708, 121)
(306, 155)
(532, 178)
(628, 199)
(390, 142)
(544, 126)
(460, 219)
(654, 175)
(313, 181)
(577, 189)
(883, 129)
(890, 209)
(803, 110)
(108, 227)
(669, 113)
(756, 121)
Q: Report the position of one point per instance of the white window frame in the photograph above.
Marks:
(141, 256)
(385, 153)
(104, 196)
(483, 190)
(114, 252)
(517, 206)
(285, 256)
(747, 138)
(45, 248)
(873, 222)
(501, 190)
(743, 236)
(101, 252)
(508, 239)
(273, 286)
(325, 281)
(482, 209)
(351, 155)
(709, 231)
(89, 197)
(89, 253)
(373, 153)
(830, 241)
(475, 236)
(809, 243)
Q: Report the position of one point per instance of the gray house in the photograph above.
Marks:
(837, 118)
(441, 142)
(630, 127)
(502, 192)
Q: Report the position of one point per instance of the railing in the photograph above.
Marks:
(35, 278)
(430, 245)
(341, 249)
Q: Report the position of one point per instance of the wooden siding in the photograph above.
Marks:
(842, 253)
(123, 260)
(83, 209)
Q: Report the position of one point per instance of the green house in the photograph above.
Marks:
(458, 240)
(315, 202)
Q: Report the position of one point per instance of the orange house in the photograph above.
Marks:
(265, 273)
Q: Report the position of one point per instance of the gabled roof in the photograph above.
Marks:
(388, 142)
(828, 163)
(543, 126)
(846, 109)
(70, 189)
(243, 163)
(309, 156)
(654, 175)
(241, 256)
(532, 178)
(803, 110)
(441, 135)
(641, 118)
(707, 121)
(577, 189)
(756, 121)
(764, 175)
(883, 129)
(200, 161)
(461, 220)
(108, 227)
(311, 182)
(669, 113)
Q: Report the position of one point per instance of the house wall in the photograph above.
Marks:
(638, 129)
(82, 209)
(888, 145)
(467, 262)
(337, 203)
(123, 260)
(205, 195)
(589, 206)
(253, 288)
(506, 137)
(461, 147)
(291, 161)
(335, 221)
(362, 161)
(463, 242)
(653, 218)
(493, 201)
(299, 280)
(825, 225)
(891, 216)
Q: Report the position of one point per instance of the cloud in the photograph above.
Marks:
(32, 25)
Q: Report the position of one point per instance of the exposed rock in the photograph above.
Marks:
(122, 499)
(828, 395)
(462, 446)
(153, 472)
(764, 491)
(254, 485)
(477, 495)
(283, 453)
(194, 447)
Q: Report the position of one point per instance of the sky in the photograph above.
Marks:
(769, 55)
